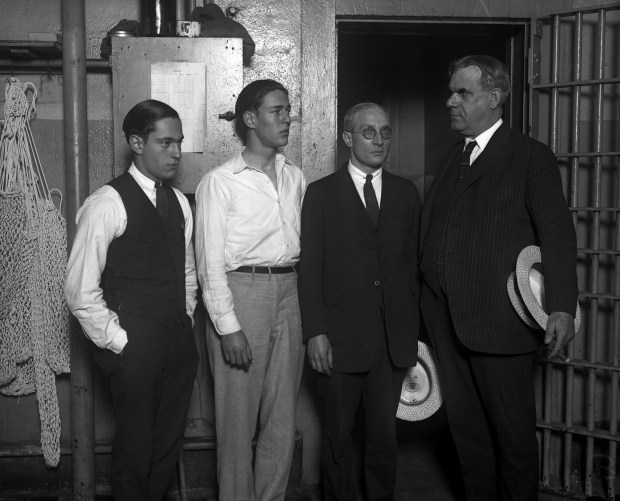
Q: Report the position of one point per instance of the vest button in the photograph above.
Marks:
(377, 282)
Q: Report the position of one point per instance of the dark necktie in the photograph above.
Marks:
(161, 199)
(370, 197)
(464, 166)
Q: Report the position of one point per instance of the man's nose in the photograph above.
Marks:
(378, 139)
(175, 151)
(452, 101)
(286, 117)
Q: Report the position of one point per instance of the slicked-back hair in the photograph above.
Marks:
(250, 99)
(142, 117)
(349, 116)
(494, 73)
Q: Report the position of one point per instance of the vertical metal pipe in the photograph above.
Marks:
(76, 179)
(574, 186)
(549, 459)
(592, 345)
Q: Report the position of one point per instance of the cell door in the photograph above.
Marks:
(575, 108)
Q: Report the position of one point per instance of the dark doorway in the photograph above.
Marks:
(403, 66)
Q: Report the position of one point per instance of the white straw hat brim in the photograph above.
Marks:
(420, 395)
(527, 297)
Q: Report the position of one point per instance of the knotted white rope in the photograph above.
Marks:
(34, 333)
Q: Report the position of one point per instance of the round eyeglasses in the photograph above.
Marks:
(371, 132)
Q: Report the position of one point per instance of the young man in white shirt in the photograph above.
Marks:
(131, 282)
(247, 249)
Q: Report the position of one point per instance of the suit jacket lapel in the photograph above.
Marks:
(353, 207)
(387, 205)
(494, 149)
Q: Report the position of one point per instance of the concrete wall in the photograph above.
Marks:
(295, 44)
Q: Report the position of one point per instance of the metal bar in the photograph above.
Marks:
(578, 430)
(76, 179)
(592, 10)
(555, 390)
(585, 364)
(534, 77)
(590, 154)
(592, 344)
(597, 209)
(582, 83)
(574, 185)
(549, 462)
(47, 65)
(599, 295)
(615, 355)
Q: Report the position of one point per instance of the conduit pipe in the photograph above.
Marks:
(76, 187)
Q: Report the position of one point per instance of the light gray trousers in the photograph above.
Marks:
(267, 308)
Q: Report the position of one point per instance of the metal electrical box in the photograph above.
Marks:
(199, 77)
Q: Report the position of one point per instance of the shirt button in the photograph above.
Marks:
(377, 282)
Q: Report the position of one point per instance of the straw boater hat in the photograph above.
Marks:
(526, 290)
(420, 396)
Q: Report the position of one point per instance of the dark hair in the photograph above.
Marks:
(349, 116)
(142, 117)
(494, 73)
(250, 99)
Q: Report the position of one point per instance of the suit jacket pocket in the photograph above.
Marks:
(332, 298)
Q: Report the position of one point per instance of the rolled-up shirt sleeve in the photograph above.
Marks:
(99, 221)
(212, 200)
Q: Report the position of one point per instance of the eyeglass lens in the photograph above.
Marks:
(370, 132)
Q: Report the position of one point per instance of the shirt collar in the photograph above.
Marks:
(483, 139)
(353, 170)
(239, 164)
(147, 184)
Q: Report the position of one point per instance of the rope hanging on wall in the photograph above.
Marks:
(34, 322)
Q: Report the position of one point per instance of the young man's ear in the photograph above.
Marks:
(136, 143)
(249, 118)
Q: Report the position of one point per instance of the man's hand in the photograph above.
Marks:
(560, 332)
(320, 354)
(236, 350)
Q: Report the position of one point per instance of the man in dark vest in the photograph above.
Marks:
(131, 282)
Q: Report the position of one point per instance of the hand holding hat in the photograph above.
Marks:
(526, 292)
(560, 332)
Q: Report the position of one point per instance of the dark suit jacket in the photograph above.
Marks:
(513, 198)
(348, 268)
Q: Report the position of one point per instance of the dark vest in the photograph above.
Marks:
(145, 267)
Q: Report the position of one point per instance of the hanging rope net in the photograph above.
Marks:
(34, 321)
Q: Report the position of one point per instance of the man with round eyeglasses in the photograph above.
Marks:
(358, 290)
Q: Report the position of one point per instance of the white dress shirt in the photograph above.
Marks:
(100, 220)
(359, 180)
(242, 220)
(481, 141)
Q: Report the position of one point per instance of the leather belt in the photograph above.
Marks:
(268, 269)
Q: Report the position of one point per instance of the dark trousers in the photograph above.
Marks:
(151, 385)
(378, 389)
(491, 410)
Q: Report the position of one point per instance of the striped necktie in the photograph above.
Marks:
(464, 165)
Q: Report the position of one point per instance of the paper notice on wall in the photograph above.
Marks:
(182, 86)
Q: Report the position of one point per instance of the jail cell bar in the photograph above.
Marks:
(558, 87)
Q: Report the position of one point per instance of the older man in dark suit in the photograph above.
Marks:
(358, 290)
(495, 193)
